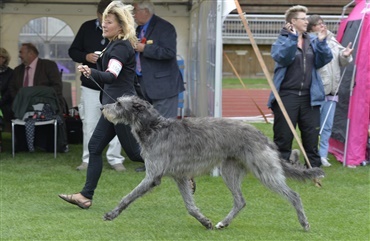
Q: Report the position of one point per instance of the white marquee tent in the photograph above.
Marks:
(198, 24)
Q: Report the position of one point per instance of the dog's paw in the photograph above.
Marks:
(209, 226)
(206, 223)
(220, 225)
(110, 216)
(306, 227)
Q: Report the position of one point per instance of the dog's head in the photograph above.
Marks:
(128, 110)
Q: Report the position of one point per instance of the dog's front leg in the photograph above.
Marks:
(185, 190)
(146, 185)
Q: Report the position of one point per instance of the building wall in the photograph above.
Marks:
(245, 61)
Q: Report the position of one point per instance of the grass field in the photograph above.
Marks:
(234, 83)
(31, 210)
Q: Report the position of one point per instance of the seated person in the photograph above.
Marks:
(35, 71)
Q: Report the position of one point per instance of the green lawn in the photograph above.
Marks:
(234, 83)
(31, 209)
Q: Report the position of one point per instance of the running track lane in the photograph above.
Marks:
(238, 102)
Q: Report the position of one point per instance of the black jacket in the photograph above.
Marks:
(123, 84)
(88, 40)
(29, 96)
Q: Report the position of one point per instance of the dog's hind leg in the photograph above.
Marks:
(186, 192)
(232, 173)
(146, 185)
(275, 180)
(294, 199)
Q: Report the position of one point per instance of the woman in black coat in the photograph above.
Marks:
(116, 69)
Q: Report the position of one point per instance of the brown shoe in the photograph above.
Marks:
(119, 167)
(77, 199)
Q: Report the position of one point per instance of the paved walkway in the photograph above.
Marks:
(239, 102)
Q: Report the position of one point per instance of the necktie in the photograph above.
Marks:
(26, 78)
(138, 64)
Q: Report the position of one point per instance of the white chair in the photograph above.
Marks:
(22, 122)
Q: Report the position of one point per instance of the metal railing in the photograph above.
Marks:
(265, 28)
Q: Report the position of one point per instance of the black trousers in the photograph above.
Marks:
(307, 117)
(104, 132)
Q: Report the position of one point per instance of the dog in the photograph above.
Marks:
(190, 147)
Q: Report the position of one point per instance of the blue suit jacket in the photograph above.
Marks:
(161, 76)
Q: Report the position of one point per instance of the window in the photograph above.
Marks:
(53, 37)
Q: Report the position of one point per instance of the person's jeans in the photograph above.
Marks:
(327, 112)
(104, 132)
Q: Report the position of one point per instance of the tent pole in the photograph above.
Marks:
(348, 119)
(345, 8)
(331, 104)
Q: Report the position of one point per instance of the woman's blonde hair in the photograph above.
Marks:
(293, 12)
(123, 14)
(6, 56)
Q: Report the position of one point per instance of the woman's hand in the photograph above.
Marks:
(85, 70)
(348, 50)
(323, 33)
(92, 58)
(291, 28)
(139, 47)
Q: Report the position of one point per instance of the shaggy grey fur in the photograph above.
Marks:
(194, 146)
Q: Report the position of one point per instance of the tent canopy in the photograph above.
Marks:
(351, 122)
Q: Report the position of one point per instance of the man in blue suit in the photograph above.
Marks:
(158, 72)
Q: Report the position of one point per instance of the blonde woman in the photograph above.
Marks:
(116, 69)
(87, 42)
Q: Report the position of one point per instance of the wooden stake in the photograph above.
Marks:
(241, 81)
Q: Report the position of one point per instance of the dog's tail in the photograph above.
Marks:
(301, 173)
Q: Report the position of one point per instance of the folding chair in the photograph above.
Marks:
(37, 123)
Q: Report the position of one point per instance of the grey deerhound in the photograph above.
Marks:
(190, 147)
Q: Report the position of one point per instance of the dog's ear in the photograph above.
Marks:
(137, 106)
(141, 105)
